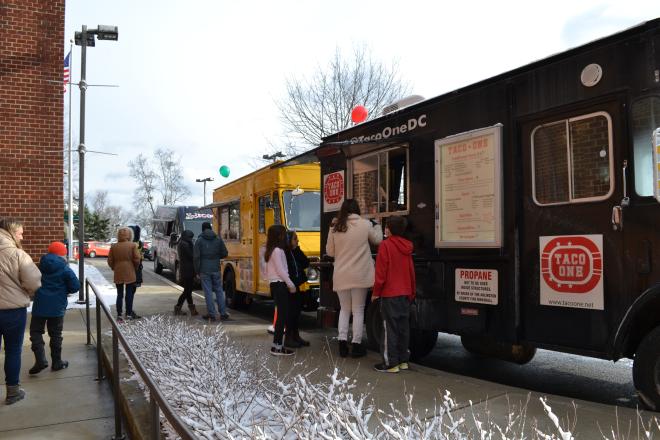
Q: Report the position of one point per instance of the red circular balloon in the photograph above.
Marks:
(359, 114)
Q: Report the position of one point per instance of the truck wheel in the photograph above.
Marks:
(235, 299)
(310, 302)
(92, 254)
(374, 325)
(421, 343)
(646, 370)
(158, 268)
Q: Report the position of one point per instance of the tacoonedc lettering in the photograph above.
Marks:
(196, 215)
(387, 132)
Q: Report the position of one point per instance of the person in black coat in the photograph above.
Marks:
(297, 262)
(136, 238)
(184, 251)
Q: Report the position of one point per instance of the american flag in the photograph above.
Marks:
(66, 70)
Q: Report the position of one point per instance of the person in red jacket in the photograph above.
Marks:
(395, 286)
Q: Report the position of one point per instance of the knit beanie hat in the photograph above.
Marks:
(57, 248)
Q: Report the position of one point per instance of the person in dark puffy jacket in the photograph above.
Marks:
(184, 250)
(209, 249)
(57, 282)
(297, 263)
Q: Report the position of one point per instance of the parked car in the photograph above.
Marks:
(146, 250)
(96, 249)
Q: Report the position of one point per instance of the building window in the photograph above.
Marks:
(230, 221)
(645, 119)
(380, 181)
(572, 160)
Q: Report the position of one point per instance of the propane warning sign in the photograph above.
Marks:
(334, 191)
(572, 271)
(476, 286)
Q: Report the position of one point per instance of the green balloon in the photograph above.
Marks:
(224, 171)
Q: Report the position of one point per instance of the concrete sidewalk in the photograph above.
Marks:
(67, 404)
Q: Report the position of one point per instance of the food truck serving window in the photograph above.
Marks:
(380, 181)
(572, 160)
(230, 221)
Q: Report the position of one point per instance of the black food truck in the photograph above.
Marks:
(168, 224)
(533, 204)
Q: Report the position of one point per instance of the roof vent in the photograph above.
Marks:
(402, 103)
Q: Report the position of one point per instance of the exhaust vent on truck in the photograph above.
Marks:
(402, 103)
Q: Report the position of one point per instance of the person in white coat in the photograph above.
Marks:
(348, 242)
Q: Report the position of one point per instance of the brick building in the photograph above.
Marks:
(31, 118)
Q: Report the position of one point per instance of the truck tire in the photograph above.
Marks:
(235, 299)
(374, 325)
(158, 268)
(646, 370)
(483, 346)
(421, 341)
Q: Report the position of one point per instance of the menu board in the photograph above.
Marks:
(468, 189)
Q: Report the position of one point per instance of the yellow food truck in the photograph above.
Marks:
(245, 208)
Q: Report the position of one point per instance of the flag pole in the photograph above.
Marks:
(70, 158)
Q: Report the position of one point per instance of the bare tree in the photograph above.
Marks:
(146, 179)
(320, 106)
(100, 201)
(118, 217)
(157, 183)
(172, 188)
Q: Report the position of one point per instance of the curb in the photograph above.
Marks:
(132, 400)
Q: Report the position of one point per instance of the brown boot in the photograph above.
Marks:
(178, 311)
(193, 310)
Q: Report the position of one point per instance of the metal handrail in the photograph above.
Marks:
(156, 399)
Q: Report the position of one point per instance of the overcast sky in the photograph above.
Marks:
(202, 77)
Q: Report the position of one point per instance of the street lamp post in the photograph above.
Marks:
(273, 156)
(206, 179)
(87, 37)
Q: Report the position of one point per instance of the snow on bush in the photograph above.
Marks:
(223, 390)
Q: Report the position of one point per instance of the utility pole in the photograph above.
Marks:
(206, 179)
(83, 39)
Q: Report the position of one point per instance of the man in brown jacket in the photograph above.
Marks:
(124, 258)
(19, 279)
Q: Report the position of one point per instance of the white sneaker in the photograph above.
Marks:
(271, 329)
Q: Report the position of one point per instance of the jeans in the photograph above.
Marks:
(12, 329)
(130, 293)
(352, 301)
(212, 282)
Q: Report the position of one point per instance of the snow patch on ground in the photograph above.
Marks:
(223, 390)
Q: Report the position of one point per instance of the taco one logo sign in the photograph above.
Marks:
(572, 271)
(333, 191)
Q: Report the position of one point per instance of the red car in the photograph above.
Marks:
(96, 249)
